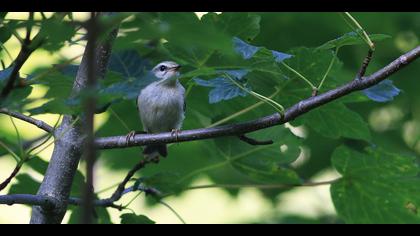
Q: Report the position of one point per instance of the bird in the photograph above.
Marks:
(161, 106)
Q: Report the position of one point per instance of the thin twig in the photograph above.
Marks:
(38, 123)
(6, 182)
(365, 64)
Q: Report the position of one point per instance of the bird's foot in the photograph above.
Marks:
(132, 134)
(175, 132)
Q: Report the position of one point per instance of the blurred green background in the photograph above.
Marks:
(395, 125)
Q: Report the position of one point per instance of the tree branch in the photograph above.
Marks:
(38, 123)
(27, 48)
(27, 199)
(275, 119)
(68, 149)
(6, 182)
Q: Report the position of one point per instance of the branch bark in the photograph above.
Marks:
(68, 149)
(275, 119)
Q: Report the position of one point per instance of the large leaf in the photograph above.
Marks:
(25, 185)
(55, 32)
(312, 65)
(335, 120)
(100, 216)
(376, 187)
(266, 163)
(351, 38)
(164, 182)
(242, 25)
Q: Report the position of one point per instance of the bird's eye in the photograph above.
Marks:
(162, 68)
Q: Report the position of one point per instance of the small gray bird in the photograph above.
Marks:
(161, 106)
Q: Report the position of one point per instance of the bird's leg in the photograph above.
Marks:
(175, 132)
(132, 134)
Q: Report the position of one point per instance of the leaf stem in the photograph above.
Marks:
(267, 100)
(259, 186)
(119, 119)
(299, 75)
(329, 68)
(19, 139)
(10, 151)
(173, 211)
(357, 27)
(243, 111)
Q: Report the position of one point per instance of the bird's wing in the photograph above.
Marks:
(185, 106)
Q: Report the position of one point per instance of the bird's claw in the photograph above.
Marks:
(175, 132)
(131, 135)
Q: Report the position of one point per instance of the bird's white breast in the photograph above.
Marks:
(161, 107)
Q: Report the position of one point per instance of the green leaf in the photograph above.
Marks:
(25, 185)
(376, 187)
(242, 25)
(264, 163)
(100, 216)
(38, 165)
(351, 38)
(313, 64)
(54, 33)
(164, 182)
(12, 145)
(335, 120)
(135, 219)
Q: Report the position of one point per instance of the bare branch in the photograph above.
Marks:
(38, 123)
(275, 119)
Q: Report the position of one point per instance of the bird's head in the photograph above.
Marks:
(166, 70)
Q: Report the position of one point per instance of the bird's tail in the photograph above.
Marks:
(152, 152)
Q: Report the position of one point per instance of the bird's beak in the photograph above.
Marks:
(176, 68)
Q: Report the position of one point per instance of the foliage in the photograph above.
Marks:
(237, 67)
